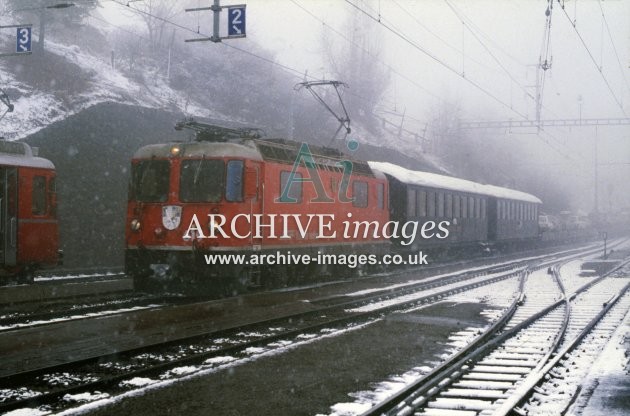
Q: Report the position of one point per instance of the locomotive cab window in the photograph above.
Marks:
(150, 181)
(360, 194)
(234, 182)
(38, 200)
(201, 180)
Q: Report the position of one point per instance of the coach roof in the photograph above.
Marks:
(434, 180)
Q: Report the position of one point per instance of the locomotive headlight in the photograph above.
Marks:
(175, 150)
(135, 225)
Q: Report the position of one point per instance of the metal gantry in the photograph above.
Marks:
(508, 124)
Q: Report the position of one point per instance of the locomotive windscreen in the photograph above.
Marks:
(150, 181)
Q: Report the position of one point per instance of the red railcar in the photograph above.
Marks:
(233, 193)
(29, 233)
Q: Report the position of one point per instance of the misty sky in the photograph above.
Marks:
(481, 56)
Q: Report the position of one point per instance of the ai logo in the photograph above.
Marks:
(305, 157)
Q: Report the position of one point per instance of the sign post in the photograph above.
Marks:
(23, 39)
(235, 22)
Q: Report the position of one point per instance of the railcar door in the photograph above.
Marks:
(8, 215)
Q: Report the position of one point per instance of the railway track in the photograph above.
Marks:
(33, 315)
(108, 372)
(504, 372)
(115, 373)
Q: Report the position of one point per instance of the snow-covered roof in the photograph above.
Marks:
(21, 154)
(434, 180)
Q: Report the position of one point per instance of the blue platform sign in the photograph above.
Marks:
(236, 21)
(23, 42)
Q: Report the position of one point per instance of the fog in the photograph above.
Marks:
(487, 67)
(423, 67)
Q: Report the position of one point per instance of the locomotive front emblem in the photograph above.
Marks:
(171, 216)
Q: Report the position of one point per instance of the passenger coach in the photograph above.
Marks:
(478, 214)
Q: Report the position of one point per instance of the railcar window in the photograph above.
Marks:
(464, 207)
(201, 180)
(471, 207)
(295, 192)
(421, 206)
(456, 209)
(449, 205)
(38, 200)
(440, 205)
(150, 180)
(360, 194)
(380, 195)
(431, 204)
(411, 202)
(483, 207)
(234, 182)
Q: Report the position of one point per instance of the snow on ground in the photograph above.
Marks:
(423, 293)
(80, 316)
(609, 374)
(141, 385)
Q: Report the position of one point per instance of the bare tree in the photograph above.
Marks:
(156, 14)
(357, 62)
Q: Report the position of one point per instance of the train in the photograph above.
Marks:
(205, 213)
(29, 229)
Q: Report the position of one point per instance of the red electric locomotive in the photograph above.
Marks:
(231, 210)
(29, 233)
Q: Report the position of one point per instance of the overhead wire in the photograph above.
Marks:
(385, 64)
(599, 69)
(623, 72)
(409, 41)
(508, 73)
(297, 73)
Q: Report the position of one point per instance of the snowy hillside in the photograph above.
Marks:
(74, 74)
(35, 109)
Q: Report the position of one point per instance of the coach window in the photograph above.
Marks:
(471, 207)
(234, 182)
(421, 203)
(464, 207)
(360, 194)
(483, 207)
(440, 204)
(295, 192)
(411, 202)
(380, 195)
(449, 205)
(38, 200)
(431, 204)
(456, 209)
(477, 208)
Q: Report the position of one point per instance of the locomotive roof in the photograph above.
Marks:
(21, 154)
(434, 180)
(200, 149)
(326, 158)
(273, 150)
